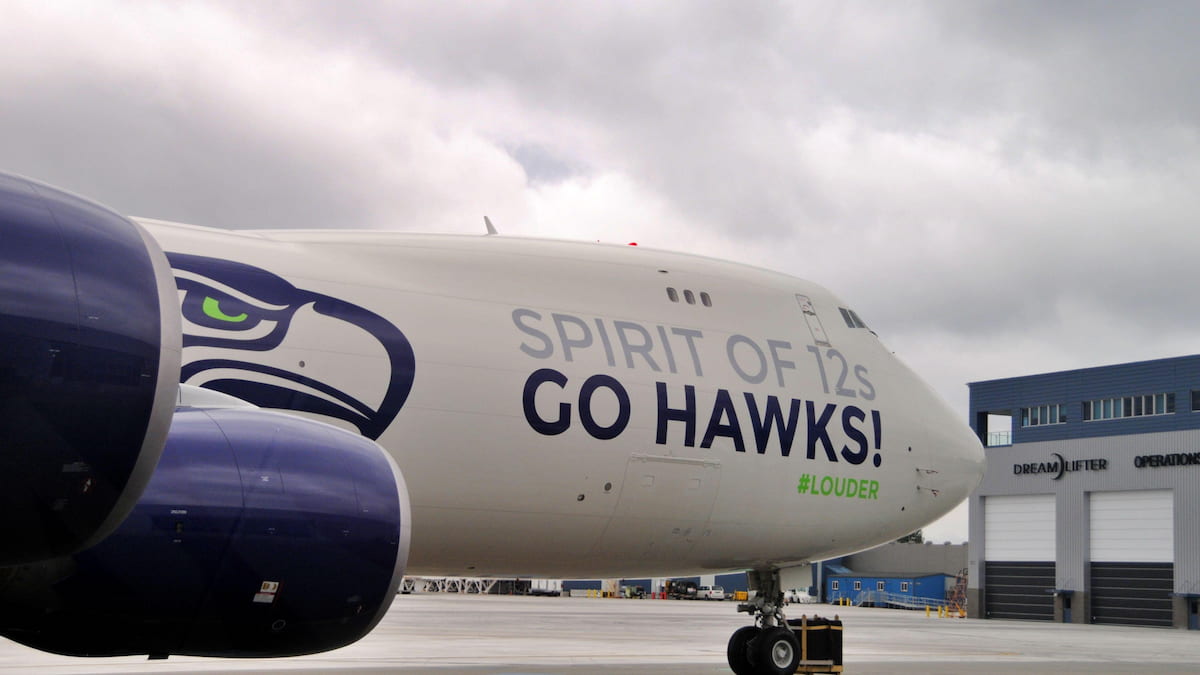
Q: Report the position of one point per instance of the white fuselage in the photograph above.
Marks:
(548, 430)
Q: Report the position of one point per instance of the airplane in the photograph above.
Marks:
(236, 442)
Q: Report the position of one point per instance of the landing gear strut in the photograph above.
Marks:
(770, 647)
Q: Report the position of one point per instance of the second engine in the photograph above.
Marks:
(260, 534)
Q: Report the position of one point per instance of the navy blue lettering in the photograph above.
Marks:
(723, 409)
(818, 430)
(585, 407)
(849, 414)
(542, 426)
(773, 416)
(687, 414)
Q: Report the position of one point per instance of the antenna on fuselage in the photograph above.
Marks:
(491, 229)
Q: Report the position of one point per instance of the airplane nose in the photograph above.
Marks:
(971, 450)
(960, 454)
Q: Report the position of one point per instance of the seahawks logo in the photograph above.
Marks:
(251, 334)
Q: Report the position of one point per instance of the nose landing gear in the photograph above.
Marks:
(768, 648)
(772, 647)
(738, 651)
(767, 651)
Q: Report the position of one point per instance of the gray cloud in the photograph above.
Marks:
(997, 187)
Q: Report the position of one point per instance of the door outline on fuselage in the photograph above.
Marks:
(665, 504)
(820, 337)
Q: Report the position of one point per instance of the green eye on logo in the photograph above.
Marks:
(212, 309)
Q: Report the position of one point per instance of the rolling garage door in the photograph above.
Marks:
(1019, 545)
(1132, 557)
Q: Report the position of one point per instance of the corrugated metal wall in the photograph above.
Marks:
(1178, 376)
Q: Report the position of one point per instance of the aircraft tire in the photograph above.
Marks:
(776, 652)
(738, 651)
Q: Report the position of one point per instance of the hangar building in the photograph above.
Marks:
(1089, 509)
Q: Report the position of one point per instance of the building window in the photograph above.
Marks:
(1042, 415)
(1131, 406)
(903, 586)
(1196, 401)
(858, 585)
(879, 585)
(835, 584)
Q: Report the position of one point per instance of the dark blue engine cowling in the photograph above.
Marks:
(259, 535)
(89, 366)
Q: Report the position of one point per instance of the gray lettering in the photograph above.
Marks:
(623, 328)
(608, 350)
(662, 334)
(780, 364)
(547, 348)
(756, 378)
(584, 341)
(816, 352)
(868, 393)
(691, 336)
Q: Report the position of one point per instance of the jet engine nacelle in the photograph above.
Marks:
(89, 368)
(259, 535)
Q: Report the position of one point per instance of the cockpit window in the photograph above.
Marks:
(851, 318)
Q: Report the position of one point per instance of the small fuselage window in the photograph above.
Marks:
(689, 297)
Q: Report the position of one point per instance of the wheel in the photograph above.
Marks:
(775, 652)
(738, 651)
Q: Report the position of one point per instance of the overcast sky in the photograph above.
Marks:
(998, 188)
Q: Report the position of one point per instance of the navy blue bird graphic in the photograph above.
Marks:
(247, 309)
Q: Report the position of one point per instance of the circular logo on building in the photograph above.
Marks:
(1062, 465)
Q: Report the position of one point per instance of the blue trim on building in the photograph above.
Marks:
(919, 586)
(735, 581)
(1178, 376)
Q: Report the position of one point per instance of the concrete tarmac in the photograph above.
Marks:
(501, 635)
